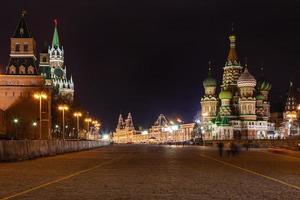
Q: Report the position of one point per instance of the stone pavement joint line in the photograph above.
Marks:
(59, 179)
(252, 172)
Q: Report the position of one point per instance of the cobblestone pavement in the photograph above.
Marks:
(122, 172)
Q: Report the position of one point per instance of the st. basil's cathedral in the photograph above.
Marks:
(242, 108)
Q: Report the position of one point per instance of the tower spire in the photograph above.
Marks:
(209, 68)
(291, 100)
(22, 30)
(120, 122)
(55, 40)
(232, 58)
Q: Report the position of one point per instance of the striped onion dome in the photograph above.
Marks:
(246, 79)
(264, 86)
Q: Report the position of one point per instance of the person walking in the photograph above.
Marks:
(220, 147)
(227, 149)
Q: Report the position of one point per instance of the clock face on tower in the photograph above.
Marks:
(58, 72)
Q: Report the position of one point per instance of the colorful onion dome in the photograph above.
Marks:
(225, 94)
(264, 86)
(246, 79)
(260, 97)
(209, 81)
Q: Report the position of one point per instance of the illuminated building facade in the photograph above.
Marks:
(125, 131)
(242, 108)
(163, 131)
(19, 111)
(290, 125)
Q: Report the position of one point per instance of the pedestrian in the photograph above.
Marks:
(232, 148)
(227, 149)
(247, 146)
(220, 147)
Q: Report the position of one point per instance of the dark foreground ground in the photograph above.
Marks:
(152, 172)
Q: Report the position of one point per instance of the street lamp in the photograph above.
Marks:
(63, 108)
(77, 115)
(40, 96)
(88, 121)
(34, 124)
(16, 121)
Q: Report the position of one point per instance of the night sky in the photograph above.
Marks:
(150, 57)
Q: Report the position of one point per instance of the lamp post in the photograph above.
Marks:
(40, 96)
(77, 115)
(88, 120)
(63, 108)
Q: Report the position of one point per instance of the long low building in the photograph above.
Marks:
(163, 131)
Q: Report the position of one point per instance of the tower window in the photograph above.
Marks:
(44, 59)
(21, 69)
(17, 47)
(25, 47)
(12, 69)
(30, 70)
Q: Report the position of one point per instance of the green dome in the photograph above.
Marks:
(264, 86)
(209, 82)
(260, 97)
(225, 95)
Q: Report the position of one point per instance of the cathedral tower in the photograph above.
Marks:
(209, 102)
(232, 68)
(247, 102)
(263, 88)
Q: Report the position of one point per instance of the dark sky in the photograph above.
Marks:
(150, 57)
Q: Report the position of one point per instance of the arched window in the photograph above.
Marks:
(12, 69)
(22, 70)
(30, 70)
(44, 59)
(25, 47)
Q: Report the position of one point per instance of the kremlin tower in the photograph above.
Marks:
(54, 70)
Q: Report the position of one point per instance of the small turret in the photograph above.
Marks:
(120, 122)
(210, 83)
(129, 123)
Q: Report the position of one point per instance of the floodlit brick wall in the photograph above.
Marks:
(14, 150)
